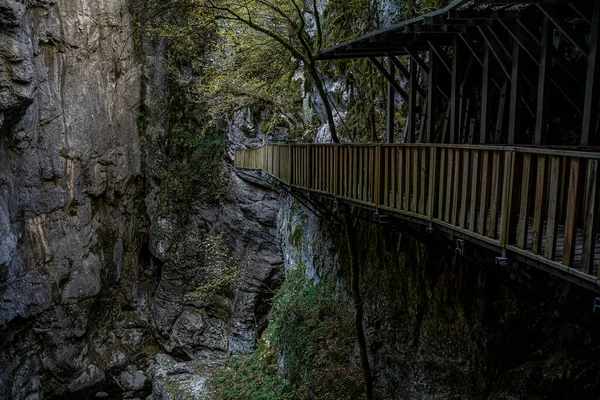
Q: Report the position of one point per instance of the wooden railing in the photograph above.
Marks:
(539, 203)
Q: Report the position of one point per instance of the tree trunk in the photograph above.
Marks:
(323, 93)
(358, 307)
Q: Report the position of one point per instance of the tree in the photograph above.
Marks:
(293, 26)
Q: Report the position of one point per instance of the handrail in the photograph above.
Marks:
(541, 203)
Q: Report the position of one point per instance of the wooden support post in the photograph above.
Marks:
(538, 212)
(432, 194)
(507, 195)
(455, 94)
(390, 103)
(475, 190)
(515, 94)
(441, 192)
(377, 178)
(456, 187)
(552, 222)
(541, 120)
(485, 193)
(592, 88)
(430, 136)
(525, 202)
(571, 216)
(485, 95)
(495, 193)
(423, 164)
(412, 101)
(336, 170)
(590, 218)
(466, 167)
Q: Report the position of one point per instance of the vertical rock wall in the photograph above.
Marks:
(69, 168)
(441, 327)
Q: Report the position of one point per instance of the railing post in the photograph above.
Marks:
(590, 220)
(310, 166)
(290, 163)
(377, 183)
(336, 170)
(507, 191)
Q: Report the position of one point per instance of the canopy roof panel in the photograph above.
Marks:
(436, 28)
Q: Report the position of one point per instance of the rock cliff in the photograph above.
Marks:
(82, 242)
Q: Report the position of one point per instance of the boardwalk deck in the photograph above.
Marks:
(538, 203)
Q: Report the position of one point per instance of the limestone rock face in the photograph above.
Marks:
(69, 172)
(82, 242)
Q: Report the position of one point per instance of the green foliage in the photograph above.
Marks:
(223, 267)
(256, 378)
(312, 328)
(195, 173)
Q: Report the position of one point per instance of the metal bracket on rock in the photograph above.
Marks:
(460, 246)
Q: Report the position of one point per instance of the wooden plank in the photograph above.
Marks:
(541, 121)
(485, 192)
(336, 170)
(423, 180)
(590, 220)
(400, 172)
(456, 187)
(371, 172)
(571, 216)
(377, 172)
(394, 173)
(507, 188)
(361, 158)
(432, 193)
(525, 202)
(442, 182)
(494, 204)
(407, 178)
(465, 189)
(354, 194)
(415, 179)
(592, 87)
(475, 190)
(449, 176)
(386, 175)
(538, 213)
(552, 219)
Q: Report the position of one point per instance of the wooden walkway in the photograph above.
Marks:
(537, 203)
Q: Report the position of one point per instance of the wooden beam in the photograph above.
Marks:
(566, 32)
(485, 95)
(541, 120)
(515, 94)
(412, 101)
(496, 51)
(441, 56)
(500, 117)
(391, 106)
(431, 84)
(389, 78)
(420, 62)
(592, 88)
(455, 94)
(405, 72)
